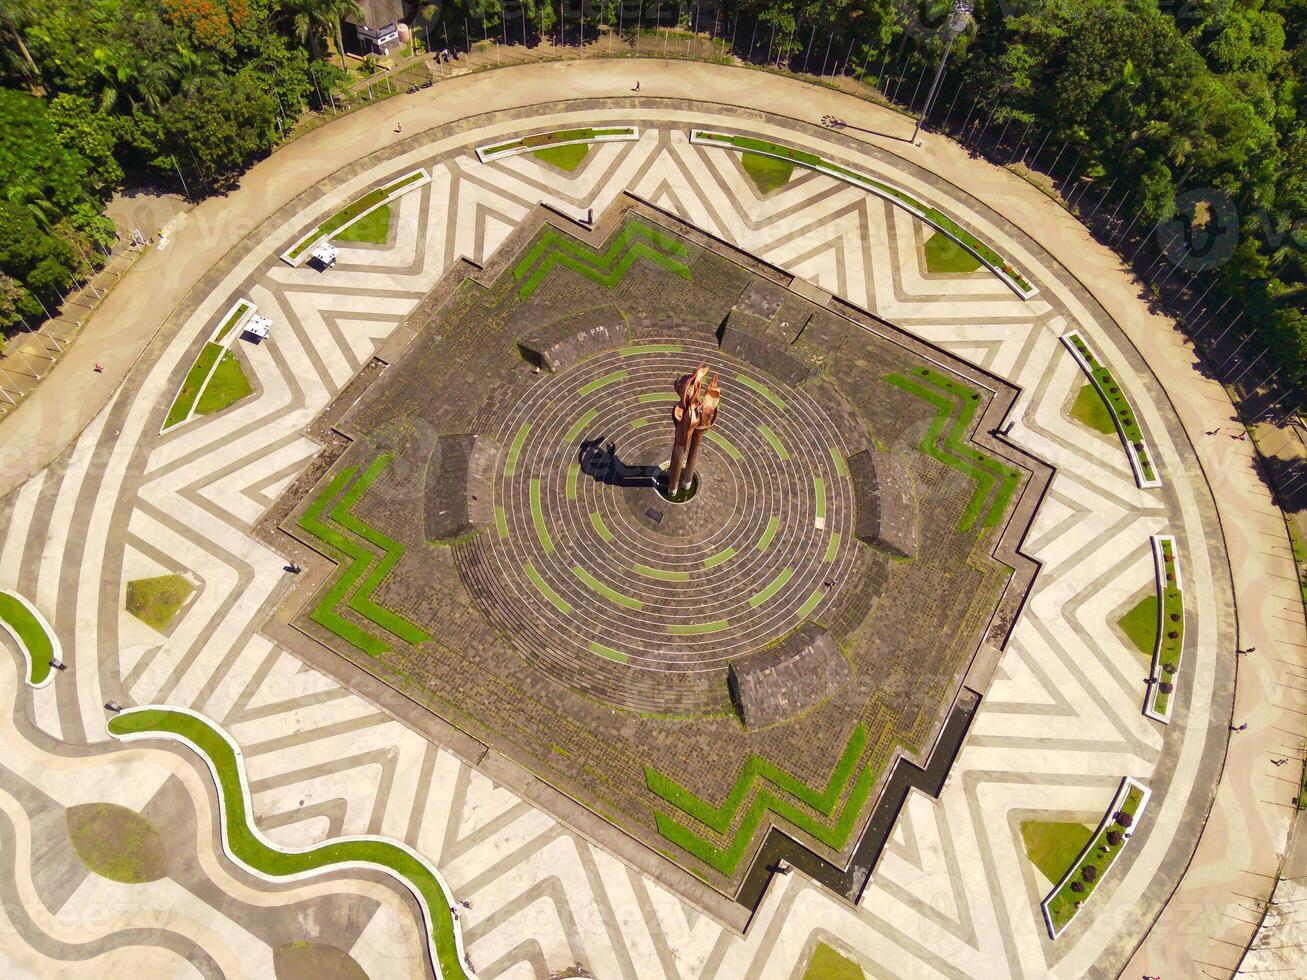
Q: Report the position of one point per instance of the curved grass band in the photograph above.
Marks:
(20, 619)
(246, 846)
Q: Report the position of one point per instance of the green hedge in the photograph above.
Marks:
(1171, 648)
(955, 407)
(1101, 854)
(245, 844)
(636, 240)
(764, 776)
(1118, 405)
(362, 572)
(40, 649)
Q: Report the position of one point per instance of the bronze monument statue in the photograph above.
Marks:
(692, 415)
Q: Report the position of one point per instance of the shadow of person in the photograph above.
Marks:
(601, 463)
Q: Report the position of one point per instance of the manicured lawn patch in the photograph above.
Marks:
(117, 843)
(190, 390)
(1123, 415)
(943, 254)
(1053, 846)
(351, 211)
(1140, 624)
(372, 228)
(955, 406)
(777, 792)
(567, 157)
(155, 601)
(226, 386)
(1101, 854)
(243, 841)
(636, 240)
(362, 572)
(828, 963)
(1090, 409)
(767, 173)
(32, 635)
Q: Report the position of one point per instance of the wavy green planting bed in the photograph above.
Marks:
(351, 212)
(936, 217)
(777, 792)
(955, 407)
(249, 847)
(637, 240)
(37, 644)
(1060, 907)
(1170, 634)
(362, 568)
(1123, 415)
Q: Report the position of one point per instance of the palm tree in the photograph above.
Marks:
(314, 19)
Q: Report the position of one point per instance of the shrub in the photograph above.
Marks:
(1077, 887)
(1175, 617)
(1114, 837)
(1169, 668)
(1123, 818)
(1166, 687)
(1172, 634)
(1089, 872)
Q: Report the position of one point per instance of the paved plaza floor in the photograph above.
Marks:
(953, 893)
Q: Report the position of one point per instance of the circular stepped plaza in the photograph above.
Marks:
(593, 562)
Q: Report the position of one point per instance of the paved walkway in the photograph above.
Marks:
(1249, 820)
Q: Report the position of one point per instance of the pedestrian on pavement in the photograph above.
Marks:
(99, 368)
(399, 127)
(1239, 728)
(637, 87)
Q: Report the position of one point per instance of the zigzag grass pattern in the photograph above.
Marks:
(636, 240)
(362, 571)
(945, 440)
(768, 779)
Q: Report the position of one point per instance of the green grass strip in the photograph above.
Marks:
(1101, 854)
(603, 382)
(693, 629)
(662, 574)
(573, 473)
(611, 594)
(501, 520)
(575, 431)
(1123, 414)
(770, 532)
(651, 349)
(180, 410)
(361, 571)
(810, 604)
(608, 652)
(600, 527)
(546, 589)
(730, 450)
(819, 489)
(351, 211)
(774, 442)
(659, 396)
(538, 518)
(1170, 647)
(717, 559)
(841, 468)
(245, 843)
(515, 450)
(636, 240)
(231, 321)
(761, 389)
(955, 406)
(226, 385)
(772, 587)
(832, 546)
(32, 634)
(774, 790)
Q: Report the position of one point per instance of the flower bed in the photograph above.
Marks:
(932, 216)
(24, 622)
(562, 137)
(245, 844)
(1066, 900)
(1169, 650)
(351, 212)
(1127, 425)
